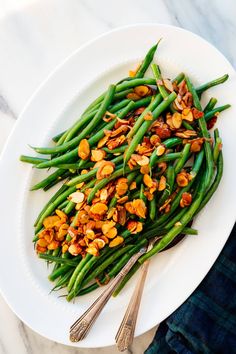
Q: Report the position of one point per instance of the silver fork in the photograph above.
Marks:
(125, 335)
(81, 327)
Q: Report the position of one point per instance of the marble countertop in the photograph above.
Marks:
(37, 36)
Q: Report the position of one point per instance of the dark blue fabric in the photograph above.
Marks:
(206, 322)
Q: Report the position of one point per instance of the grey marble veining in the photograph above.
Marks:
(34, 39)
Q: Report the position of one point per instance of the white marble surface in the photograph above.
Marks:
(35, 36)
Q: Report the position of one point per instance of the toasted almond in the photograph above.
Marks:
(186, 134)
(99, 209)
(102, 141)
(107, 225)
(186, 200)
(167, 202)
(40, 249)
(79, 185)
(100, 242)
(155, 140)
(160, 150)
(168, 85)
(76, 197)
(123, 200)
(105, 169)
(53, 245)
(111, 233)
(64, 248)
(110, 213)
(42, 242)
(98, 155)
(121, 188)
(83, 217)
(108, 116)
(142, 90)
(148, 195)
(177, 120)
(105, 239)
(133, 96)
(90, 234)
(62, 232)
(134, 226)
(103, 194)
(50, 221)
(74, 249)
(162, 166)
(196, 144)
(147, 180)
(145, 169)
(61, 215)
(162, 183)
(140, 208)
(148, 116)
(116, 241)
(120, 130)
(84, 149)
(114, 143)
(144, 161)
(92, 250)
(133, 184)
(196, 113)
(182, 179)
(187, 115)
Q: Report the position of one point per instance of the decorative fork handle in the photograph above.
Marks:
(125, 334)
(80, 328)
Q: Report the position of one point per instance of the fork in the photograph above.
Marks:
(125, 335)
(81, 327)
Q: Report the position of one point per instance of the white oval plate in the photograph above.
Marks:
(174, 274)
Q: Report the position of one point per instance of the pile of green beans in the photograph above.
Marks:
(83, 274)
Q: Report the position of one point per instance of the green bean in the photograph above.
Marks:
(59, 272)
(109, 260)
(216, 111)
(101, 184)
(75, 166)
(52, 177)
(210, 105)
(177, 228)
(205, 134)
(153, 104)
(182, 160)
(215, 184)
(165, 158)
(78, 269)
(58, 136)
(54, 197)
(122, 94)
(87, 129)
(170, 179)
(52, 206)
(210, 84)
(179, 78)
(168, 144)
(63, 205)
(147, 61)
(125, 280)
(153, 208)
(175, 202)
(118, 150)
(186, 125)
(63, 281)
(70, 206)
(145, 126)
(157, 74)
(217, 149)
(32, 160)
(71, 262)
(92, 173)
(61, 178)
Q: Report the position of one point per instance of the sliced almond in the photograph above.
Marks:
(98, 155)
(116, 241)
(147, 180)
(84, 149)
(133, 96)
(142, 90)
(76, 197)
(102, 142)
(187, 115)
(177, 120)
(105, 169)
(148, 116)
(168, 85)
(160, 150)
(99, 208)
(162, 184)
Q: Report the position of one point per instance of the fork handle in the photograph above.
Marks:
(125, 334)
(80, 328)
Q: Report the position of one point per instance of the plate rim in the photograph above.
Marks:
(58, 67)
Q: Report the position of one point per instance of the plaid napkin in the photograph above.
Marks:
(206, 322)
